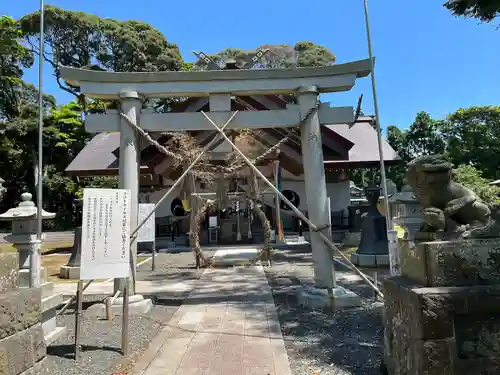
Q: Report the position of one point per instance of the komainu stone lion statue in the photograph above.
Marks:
(449, 210)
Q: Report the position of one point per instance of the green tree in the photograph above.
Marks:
(472, 178)
(485, 10)
(473, 138)
(83, 40)
(423, 137)
(302, 54)
(13, 59)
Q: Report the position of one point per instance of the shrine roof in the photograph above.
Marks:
(365, 150)
(357, 143)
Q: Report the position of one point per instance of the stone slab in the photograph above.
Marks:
(51, 302)
(452, 263)
(22, 351)
(441, 330)
(9, 271)
(135, 308)
(315, 298)
(227, 325)
(54, 335)
(69, 273)
(235, 256)
(370, 260)
(19, 310)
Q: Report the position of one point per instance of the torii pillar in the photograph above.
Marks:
(129, 170)
(315, 186)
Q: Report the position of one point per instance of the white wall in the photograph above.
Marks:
(339, 194)
(155, 196)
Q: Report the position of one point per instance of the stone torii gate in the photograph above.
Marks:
(131, 89)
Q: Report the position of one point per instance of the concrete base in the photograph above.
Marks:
(370, 260)
(137, 306)
(70, 273)
(316, 298)
(24, 277)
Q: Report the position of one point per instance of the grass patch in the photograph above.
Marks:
(53, 263)
(46, 247)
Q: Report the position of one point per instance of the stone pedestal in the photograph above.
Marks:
(72, 269)
(442, 316)
(22, 345)
(24, 239)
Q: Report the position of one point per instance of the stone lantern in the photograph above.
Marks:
(406, 210)
(24, 239)
(24, 236)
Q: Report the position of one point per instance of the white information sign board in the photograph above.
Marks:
(147, 231)
(105, 234)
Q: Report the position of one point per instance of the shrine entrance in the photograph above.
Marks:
(219, 87)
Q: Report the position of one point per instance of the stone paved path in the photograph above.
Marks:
(227, 326)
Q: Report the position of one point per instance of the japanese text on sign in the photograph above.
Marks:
(105, 234)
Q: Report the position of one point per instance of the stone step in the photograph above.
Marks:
(49, 306)
(51, 302)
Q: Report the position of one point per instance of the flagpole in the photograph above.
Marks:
(35, 254)
(394, 258)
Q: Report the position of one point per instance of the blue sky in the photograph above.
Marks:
(426, 58)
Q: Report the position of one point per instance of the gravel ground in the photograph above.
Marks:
(101, 339)
(345, 342)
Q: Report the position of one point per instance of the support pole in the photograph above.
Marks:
(35, 261)
(131, 104)
(125, 319)
(297, 212)
(78, 316)
(315, 186)
(394, 253)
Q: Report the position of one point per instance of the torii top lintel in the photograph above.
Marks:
(109, 85)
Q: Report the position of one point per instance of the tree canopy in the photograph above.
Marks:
(469, 137)
(83, 40)
(485, 10)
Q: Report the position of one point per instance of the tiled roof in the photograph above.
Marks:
(364, 137)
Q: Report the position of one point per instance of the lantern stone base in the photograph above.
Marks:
(318, 298)
(69, 273)
(24, 276)
(138, 305)
(370, 260)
